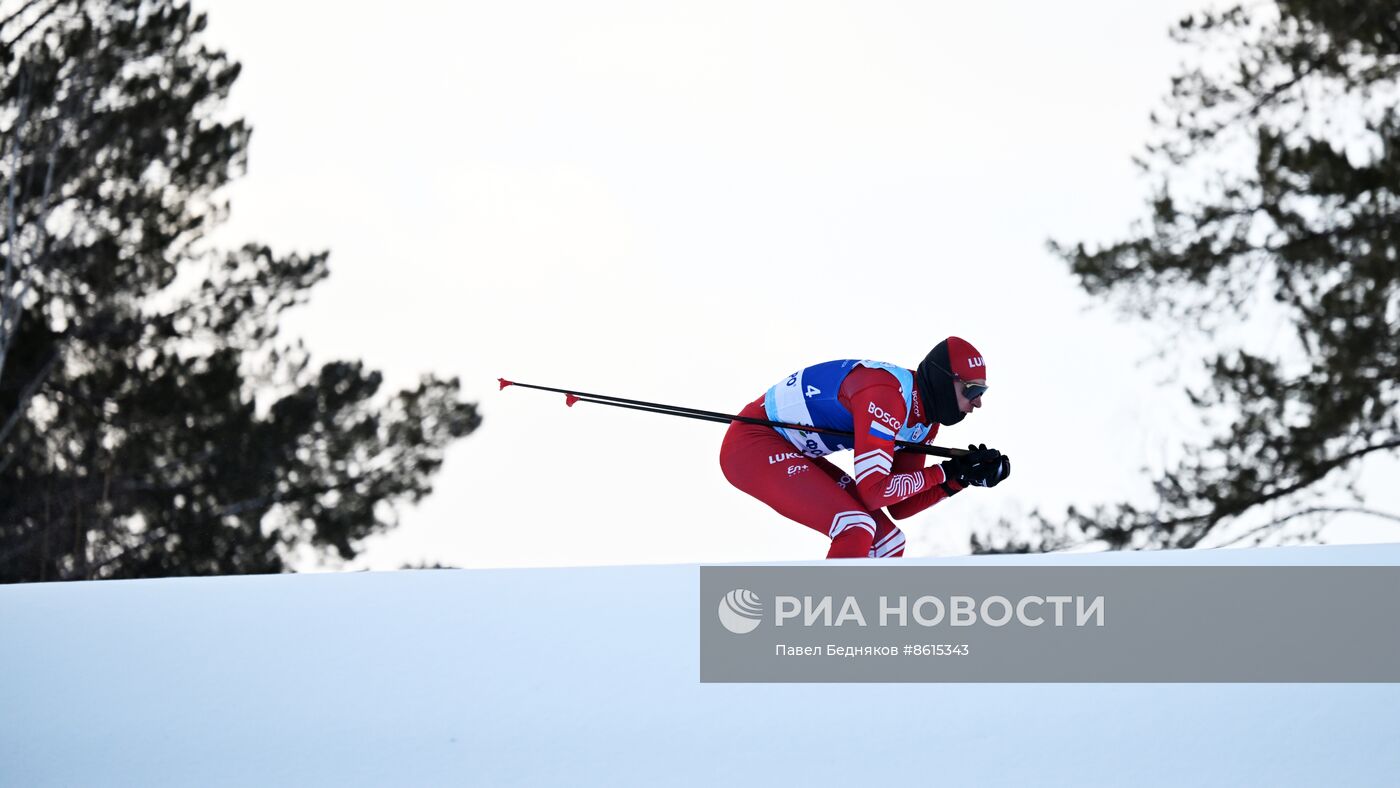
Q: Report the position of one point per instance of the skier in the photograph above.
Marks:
(878, 403)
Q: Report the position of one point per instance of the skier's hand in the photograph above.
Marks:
(964, 468)
(991, 473)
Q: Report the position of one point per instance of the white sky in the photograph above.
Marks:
(685, 202)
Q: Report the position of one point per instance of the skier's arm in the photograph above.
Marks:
(912, 506)
(911, 462)
(879, 413)
(979, 466)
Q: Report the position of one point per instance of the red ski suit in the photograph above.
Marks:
(814, 492)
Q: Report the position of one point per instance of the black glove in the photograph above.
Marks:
(990, 474)
(964, 469)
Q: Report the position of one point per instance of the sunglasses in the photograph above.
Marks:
(970, 390)
(973, 390)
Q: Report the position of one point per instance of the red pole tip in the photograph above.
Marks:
(505, 382)
(570, 399)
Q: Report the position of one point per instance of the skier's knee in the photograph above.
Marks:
(888, 545)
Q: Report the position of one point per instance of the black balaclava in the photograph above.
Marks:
(936, 385)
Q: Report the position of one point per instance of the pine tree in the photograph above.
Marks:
(1276, 169)
(152, 421)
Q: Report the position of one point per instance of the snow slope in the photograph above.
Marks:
(589, 676)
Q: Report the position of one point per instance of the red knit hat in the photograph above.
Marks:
(965, 361)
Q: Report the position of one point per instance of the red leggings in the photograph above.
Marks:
(812, 491)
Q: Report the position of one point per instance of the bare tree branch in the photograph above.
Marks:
(1212, 519)
(1307, 512)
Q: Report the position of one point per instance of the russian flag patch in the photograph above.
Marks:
(879, 430)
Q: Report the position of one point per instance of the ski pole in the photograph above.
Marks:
(571, 396)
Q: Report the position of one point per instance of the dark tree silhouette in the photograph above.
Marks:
(1277, 165)
(151, 420)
